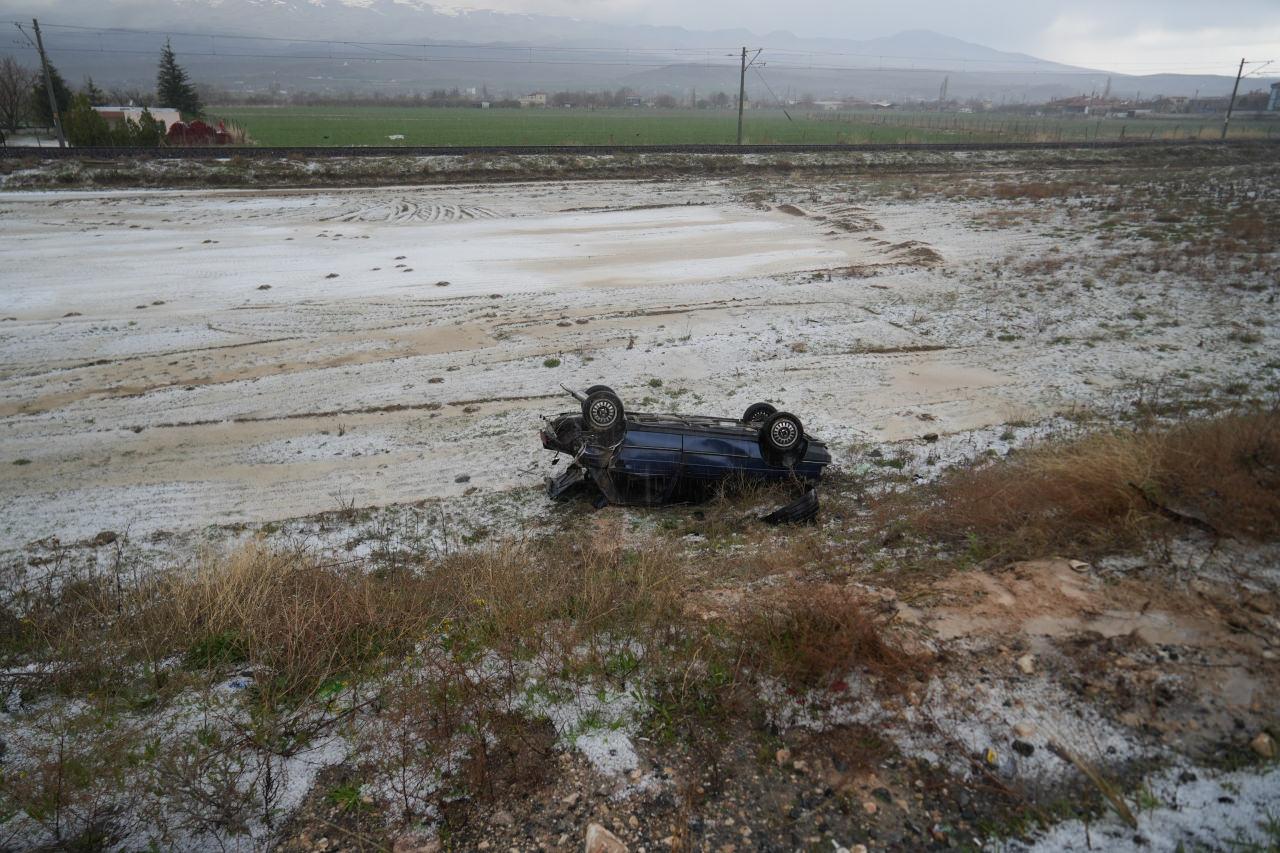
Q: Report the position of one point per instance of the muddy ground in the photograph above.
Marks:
(363, 371)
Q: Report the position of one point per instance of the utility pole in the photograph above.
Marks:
(1231, 106)
(742, 87)
(48, 85)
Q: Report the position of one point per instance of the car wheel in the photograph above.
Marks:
(603, 412)
(782, 433)
(757, 413)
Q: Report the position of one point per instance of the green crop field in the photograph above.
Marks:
(462, 126)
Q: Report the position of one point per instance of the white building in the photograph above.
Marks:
(165, 115)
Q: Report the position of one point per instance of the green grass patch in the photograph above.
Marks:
(464, 126)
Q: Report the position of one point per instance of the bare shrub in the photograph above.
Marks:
(810, 635)
(410, 746)
(201, 784)
(68, 785)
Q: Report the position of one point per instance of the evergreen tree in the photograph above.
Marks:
(84, 125)
(40, 99)
(150, 130)
(96, 96)
(173, 88)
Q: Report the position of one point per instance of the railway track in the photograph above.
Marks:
(270, 152)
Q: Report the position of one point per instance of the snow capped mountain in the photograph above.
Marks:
(328, 46)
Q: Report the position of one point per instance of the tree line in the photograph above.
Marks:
(434, 98)
(24, 102)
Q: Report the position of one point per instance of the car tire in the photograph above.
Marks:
(603, 414)
(594, 388)
(782, 432)
(782, 441)
(758, 413)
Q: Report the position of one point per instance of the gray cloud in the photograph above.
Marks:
(1138, 35)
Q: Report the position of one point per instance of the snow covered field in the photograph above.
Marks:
(224, 365)
(178, 359)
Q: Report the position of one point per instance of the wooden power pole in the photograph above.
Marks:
(48, 85)
(742, 92)
(742, 86)
(1232, 104)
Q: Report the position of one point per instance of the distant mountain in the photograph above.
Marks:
(314, 45)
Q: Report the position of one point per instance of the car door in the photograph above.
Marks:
(713, 454)
(648, 466)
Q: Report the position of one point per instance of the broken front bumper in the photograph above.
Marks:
(568, 481)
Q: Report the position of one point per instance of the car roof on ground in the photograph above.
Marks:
(667, 419)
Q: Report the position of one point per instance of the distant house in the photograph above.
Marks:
(114, 115)
(1072, 106)
(536, 99)
(1274, 104)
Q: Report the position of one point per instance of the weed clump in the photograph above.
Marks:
(812, 635)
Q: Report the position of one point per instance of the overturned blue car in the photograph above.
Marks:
(645, 459)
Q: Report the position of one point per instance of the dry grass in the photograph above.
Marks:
(814, 635)
(1110, 490)
(1035, 190)
(298, 618)
(1250, 226)
(305, 620)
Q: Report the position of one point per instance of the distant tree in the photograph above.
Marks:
(173, 88)
(1255, 100)
(15, 93)
(720, 99)
(40, 99)
(96, 96)
(665, 102)
(150, 130)
(85, 126)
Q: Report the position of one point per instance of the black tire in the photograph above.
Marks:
(782, 434)
(602, 413)
(802, 509)
(757, 413)
(594, 388)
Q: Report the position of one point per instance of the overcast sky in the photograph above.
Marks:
(1134, 36)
